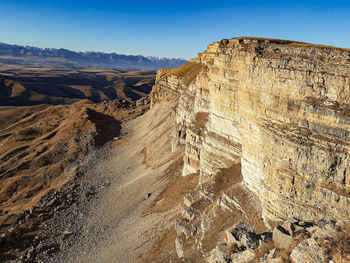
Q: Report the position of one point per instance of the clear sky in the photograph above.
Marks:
(169, 28)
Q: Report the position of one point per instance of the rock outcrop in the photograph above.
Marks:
(281, 109)
(304, 241)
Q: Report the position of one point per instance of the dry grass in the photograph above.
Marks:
(157, 252)
(227, 177)
(187, 71)
(201, 118)
(177, 187)
(264, 249)
(338, 247)
(292, 43)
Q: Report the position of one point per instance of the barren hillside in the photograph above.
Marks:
(242, 157)
(42, 152)
(31, 86)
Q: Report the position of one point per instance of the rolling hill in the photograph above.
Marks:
(20, 86)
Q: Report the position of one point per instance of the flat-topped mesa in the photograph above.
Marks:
(282, 109)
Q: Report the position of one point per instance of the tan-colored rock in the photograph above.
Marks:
(178, 247)
(282, 238)
(281, 109)
(217, 255)
(308, 251)
(244, 257)
(184, 227)
(271, 257)
(189, 213)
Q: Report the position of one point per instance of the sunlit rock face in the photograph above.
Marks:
(280, 108)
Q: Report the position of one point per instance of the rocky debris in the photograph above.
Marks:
(308, 251)
(189, 200)
(189, 213)
(55, 222)
(298, 240)
(271, 257)
(141, 104)
(66, 233)
(217, 256)
(56, 219)
(242, 236)
(244, 256)
(251, 240)
(282, 238)
(178, 247)
(184, 227)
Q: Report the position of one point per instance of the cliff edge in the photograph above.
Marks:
(272, 116)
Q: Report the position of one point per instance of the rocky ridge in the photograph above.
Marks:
(49, 188)
(265, 124)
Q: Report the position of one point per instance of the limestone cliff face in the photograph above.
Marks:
(281, 109)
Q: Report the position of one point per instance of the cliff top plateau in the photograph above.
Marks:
(239, 155)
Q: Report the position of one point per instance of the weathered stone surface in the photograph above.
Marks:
(244, 256)
(322, 232)
(189, 200)
(178, 247)
(271, 257)
(184, 227)
(189, 213)
(308, 251)
(219, 254)
(279, 108)
(241, 235)
(282, 238)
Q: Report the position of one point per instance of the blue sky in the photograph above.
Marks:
(169, 28)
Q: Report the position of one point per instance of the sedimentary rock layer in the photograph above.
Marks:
(281, 108)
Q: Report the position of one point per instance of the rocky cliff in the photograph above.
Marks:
(278, 109)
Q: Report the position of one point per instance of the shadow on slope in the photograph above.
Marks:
(107, 127)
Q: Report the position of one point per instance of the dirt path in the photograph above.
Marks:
(113, 229)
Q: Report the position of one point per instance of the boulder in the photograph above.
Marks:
(282, 238)
(244, 256)
(308, 251)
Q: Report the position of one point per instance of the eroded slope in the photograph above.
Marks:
(276, 109)
(41, 151)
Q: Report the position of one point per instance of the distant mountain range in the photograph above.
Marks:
(63, 58)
